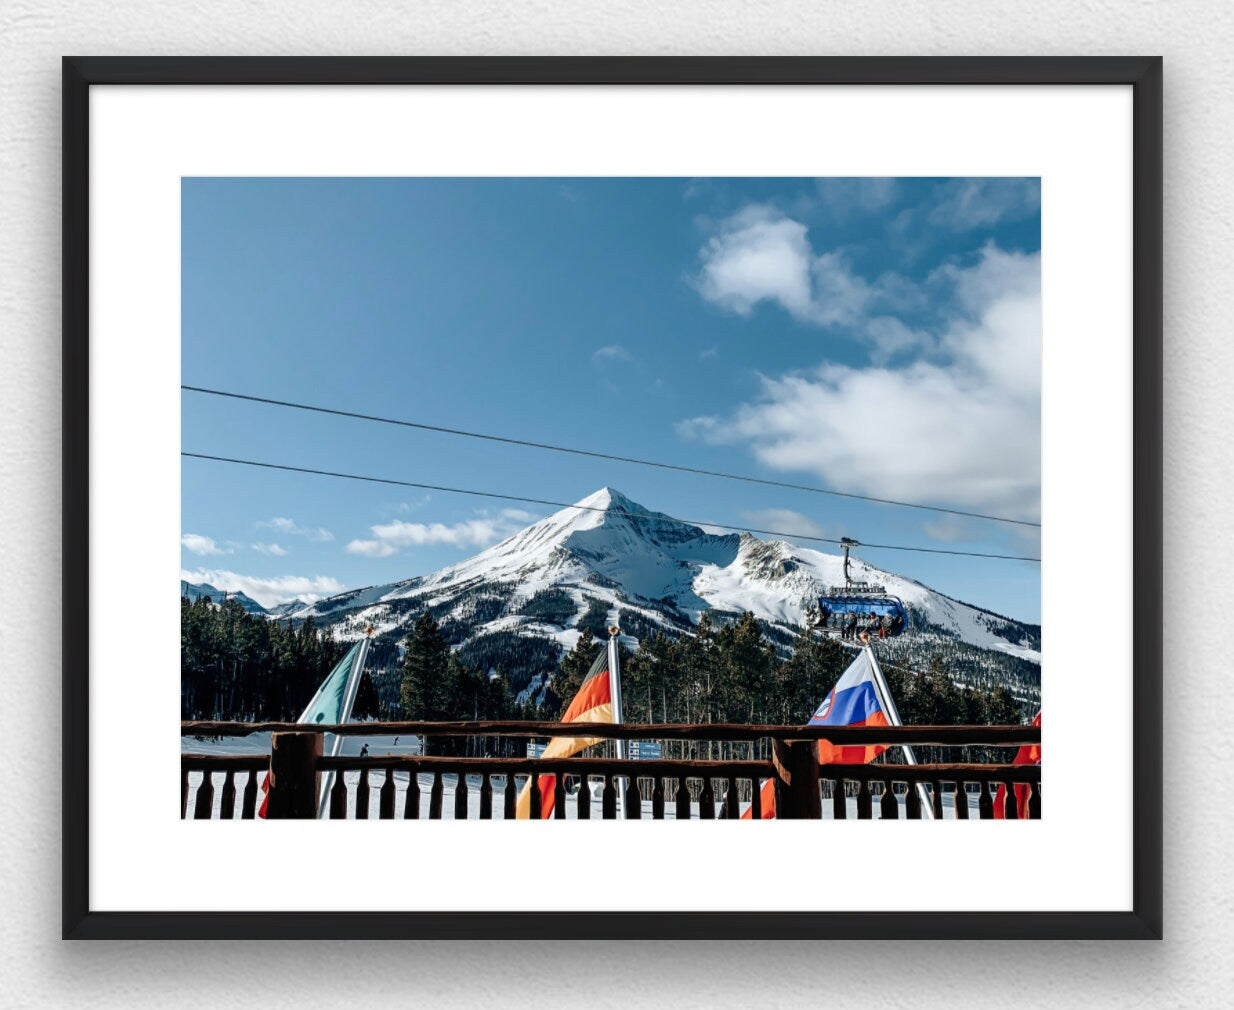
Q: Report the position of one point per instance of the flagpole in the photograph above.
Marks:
(614, 690)
(349, 699)
(893, 717)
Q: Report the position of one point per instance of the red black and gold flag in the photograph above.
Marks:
(593, 703)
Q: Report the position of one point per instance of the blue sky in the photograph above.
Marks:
(877, 336)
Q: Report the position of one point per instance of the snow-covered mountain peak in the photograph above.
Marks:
(610, 499)
(609, 558)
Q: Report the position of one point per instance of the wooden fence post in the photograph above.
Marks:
(294, 776)
(798, 796)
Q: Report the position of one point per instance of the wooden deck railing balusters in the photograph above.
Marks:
(634, 800)
(608, 803)
(486, 797)
(204, 806)
(1011, 808)
(707, 801)
(961, 801)
(509, 803)
(559, 797)
(227, 805)
(756, 800)
(385, 796)
(338, 797)
(865, 805)
(985, 805)
(936, 799)
(537, 801)
(362, 791)
(1034, 801)
(584, 798)
(248, 806)
(732, 803)
(460, 797)
(681, 800)
(411, 803)
(435, 798)
(912, 802)
(839, 799)
(184, 791)
(888, 805)
(657, 798)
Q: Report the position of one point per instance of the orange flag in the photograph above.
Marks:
(593, 703)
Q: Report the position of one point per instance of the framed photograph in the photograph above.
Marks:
(773, 443)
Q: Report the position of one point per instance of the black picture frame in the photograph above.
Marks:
(1143, 74)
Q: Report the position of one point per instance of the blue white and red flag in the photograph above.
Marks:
(854, 701)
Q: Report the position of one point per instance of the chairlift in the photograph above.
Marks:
(859, 608)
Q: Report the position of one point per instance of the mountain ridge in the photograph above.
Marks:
(608, 559)
(196, 590)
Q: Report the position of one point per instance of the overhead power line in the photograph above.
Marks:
(588, 508)
(699, 471)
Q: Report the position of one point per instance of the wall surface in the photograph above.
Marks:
(1194, 966)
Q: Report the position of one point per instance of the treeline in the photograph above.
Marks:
(437, 685)
(245, 668)
(236, 666)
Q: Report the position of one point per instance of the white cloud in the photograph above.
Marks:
(612, 352)
(289, 527)
(964, 204)
(195, 543)
(396, 535)
(709, 352)
(268, 592)
(963, 428)
(784, 521)
(470, 533)
(759, 255)
(371, 548)
(275, 550)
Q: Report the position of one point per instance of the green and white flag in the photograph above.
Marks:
(332, 702)
(331, 705)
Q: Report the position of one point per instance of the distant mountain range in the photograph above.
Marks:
(196, 590)
(515, 606)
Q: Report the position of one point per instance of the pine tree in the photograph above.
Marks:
(425, 691)
(808, 675)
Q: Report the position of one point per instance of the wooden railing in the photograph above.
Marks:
(488, 788)
(229, 764)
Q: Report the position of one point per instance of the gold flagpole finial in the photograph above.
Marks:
(613, 631)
